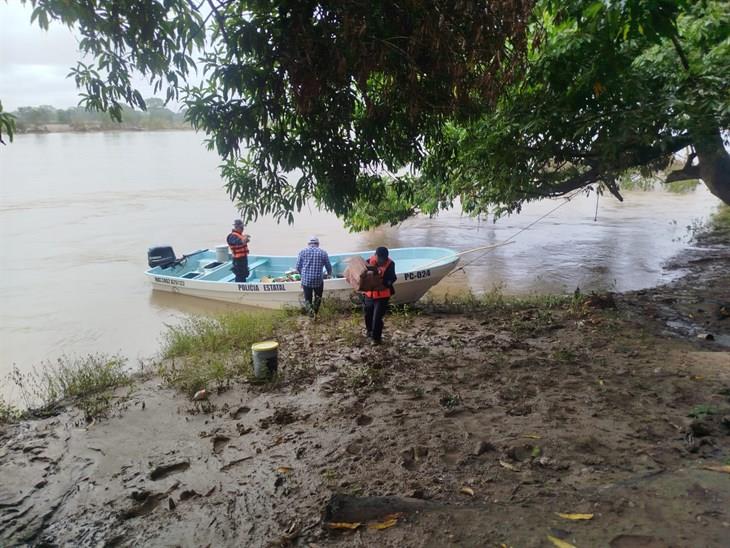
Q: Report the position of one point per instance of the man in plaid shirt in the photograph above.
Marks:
(310, 264)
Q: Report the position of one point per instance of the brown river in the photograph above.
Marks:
(78, 211)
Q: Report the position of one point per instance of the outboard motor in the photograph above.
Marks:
(160, 256)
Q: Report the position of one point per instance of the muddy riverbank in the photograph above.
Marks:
(483, 419)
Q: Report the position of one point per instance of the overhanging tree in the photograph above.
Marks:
(338, 92)
(614, 87)
(384, 109)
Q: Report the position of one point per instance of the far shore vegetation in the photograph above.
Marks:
(49, 119)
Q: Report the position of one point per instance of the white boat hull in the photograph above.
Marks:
(410, 286)
(289, 294)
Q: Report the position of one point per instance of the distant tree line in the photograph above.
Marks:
(47, 118)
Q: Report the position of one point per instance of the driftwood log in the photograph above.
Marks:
(346, 508)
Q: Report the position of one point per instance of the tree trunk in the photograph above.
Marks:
(714, 164)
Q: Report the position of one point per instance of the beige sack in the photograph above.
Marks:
(361, 277)
(356, 266)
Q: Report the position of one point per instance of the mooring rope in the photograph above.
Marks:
(509, 240)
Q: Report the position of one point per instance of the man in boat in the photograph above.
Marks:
(238, 243)
(310, 264)
(375, 302)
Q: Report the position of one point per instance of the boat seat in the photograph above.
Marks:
(255, 264)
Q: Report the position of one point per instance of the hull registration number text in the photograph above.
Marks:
(417, 275)
(169, 281)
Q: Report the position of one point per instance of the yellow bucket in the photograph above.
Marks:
(265, 358)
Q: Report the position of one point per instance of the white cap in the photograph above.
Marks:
(313, 240)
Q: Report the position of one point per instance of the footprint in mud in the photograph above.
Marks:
(163, 470)
(243, 429)
(450, 458)
(520, 410)
(364, 420)
(637, 541)
(282, 416)
(523, 452)
(355, 448)
(188, 494)
(413, 456)
(237, 413)
(219, 443)
(148, 503)
(327, 388)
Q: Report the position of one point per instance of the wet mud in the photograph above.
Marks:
(469, 429)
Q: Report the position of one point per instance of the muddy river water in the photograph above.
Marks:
(78, 211)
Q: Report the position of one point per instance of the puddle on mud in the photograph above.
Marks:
(689, 329)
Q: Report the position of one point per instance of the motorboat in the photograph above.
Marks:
(272, 283)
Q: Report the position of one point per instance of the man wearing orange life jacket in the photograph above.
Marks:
(238, 243)
(375, 302)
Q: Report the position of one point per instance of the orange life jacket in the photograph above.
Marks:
(380, 293)
(239, 250)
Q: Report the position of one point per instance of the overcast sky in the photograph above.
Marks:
(34, 63)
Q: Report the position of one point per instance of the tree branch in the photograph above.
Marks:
(574, 183)
(221, 21)
(633, 155)
(640, 154)
(680, 52)
(684, 174)
(613, 188)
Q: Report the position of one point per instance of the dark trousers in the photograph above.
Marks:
(240, 269)
(375, 310)
(308, 293)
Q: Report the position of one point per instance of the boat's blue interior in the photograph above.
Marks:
(203, 265)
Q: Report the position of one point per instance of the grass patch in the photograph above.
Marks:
(330, 477)
(349, 328)
(332, 309)
(496, 301)
(564, 355)
(361, 378)
(233, 332)
(338, 322)
(210, 352)
(8, 413)
(86, 380)
(402, 316)
(450, 401)
(196, 373)
(720, 221)
(702, 410)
